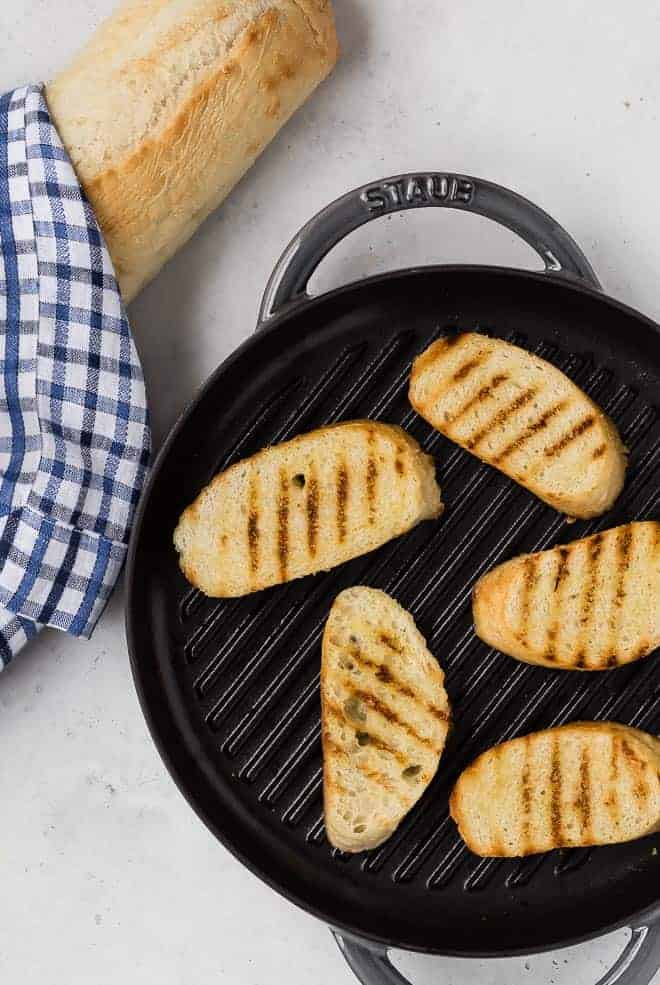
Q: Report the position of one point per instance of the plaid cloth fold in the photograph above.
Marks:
(74, 432)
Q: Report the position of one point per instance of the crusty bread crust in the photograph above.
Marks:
(593, 604)
(305, 505)
(170, 103)
(385, 718)
(583, 784)
(522, 415)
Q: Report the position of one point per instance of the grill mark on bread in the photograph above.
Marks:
(384, 674)
(451, 340)
(529, 579)
(438, 713)
(570, 436)
(437, 353)
(500, 418)
(329, 783)
(525, 797)
(342, 497)
(380, 779)
(484, 393)
(391, 716)
(372, 475)
(283, 525)
(553, 623)
(583, 801)
(464, 371)
(594, 552)
(375, 741)
(497, 844)
(612, 800)
(551, 637)
(630, 754)
(312, 506)
(390, 642)
(624, 543)
(624, 548)
(562, 567)
(636, 766)
(599, 452)
(530, 431)
(556, 780)
(253, 526)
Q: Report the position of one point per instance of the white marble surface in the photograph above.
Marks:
(105, 874)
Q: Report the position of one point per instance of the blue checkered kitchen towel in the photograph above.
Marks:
(74, 433)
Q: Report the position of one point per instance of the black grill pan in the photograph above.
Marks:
(230, 687)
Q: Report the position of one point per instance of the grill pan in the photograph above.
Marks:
(230, 687)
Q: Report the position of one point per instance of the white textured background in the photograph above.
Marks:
(105, 874)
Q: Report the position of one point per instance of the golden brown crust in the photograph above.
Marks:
(522, 415)
(366, 633)
(606, 618)
(303, 506)
(153, 181)
(585, 800)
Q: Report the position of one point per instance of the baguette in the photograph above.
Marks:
(304, 506)
(170, 103)
(593, 604)
(589, 783)
(385, 717)
(520, 414)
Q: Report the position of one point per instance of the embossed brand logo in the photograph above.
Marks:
(418, 189)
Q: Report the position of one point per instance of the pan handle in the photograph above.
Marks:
(429, 189)
(370, 965)
(636, 965)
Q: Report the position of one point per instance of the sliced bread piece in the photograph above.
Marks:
(385, 717)
(590, 605)
(589, 783)
(525, 417)
(304, 506)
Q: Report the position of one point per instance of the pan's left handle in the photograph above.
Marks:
(560, 253)
(370, 965)
(637, 964)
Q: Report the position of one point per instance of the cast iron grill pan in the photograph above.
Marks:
(231, 687)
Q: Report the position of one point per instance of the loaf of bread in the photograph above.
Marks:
(525, 417)
(305, 505)
(170, 103)
(385, 717)
(588, 783)
(593, 604)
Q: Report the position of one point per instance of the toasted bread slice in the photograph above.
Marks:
(385, 717)
(522, 415)
(590, 783)
(590, 605)
(305, 506)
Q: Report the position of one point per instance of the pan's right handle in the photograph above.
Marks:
(636, 965)
(640, 959)
(429, 189)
